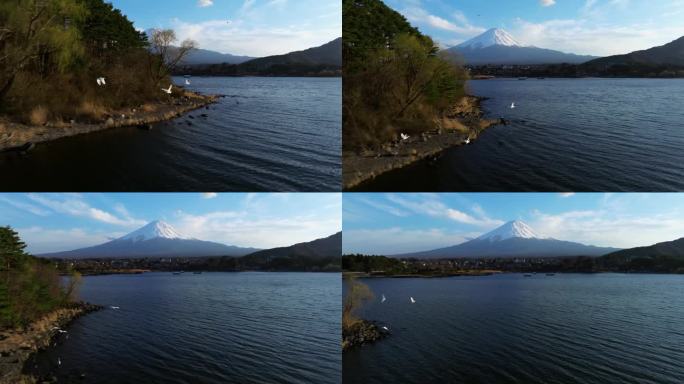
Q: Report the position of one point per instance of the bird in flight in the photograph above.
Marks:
(383, 299)
(167, 90)
(412, 301)
(101, 81)
(404, 137)
(512, 105)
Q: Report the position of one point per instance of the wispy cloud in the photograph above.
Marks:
(30, 208)
(205, 3)
(431, 205)
(547, 3)
(75, 206)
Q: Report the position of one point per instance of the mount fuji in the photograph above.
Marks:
(498, 47)
(156, 239)
(513, 239)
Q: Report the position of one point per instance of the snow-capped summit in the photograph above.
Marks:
(494, 36)
(498, 47)
(154, 230)
(510, 230)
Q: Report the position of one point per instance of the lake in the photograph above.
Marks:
(568, 328)
(208, 328)
(267, 134)
(565, 135)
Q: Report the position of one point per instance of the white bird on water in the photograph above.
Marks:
(512, 105)
(59, 361)
(101, 81)
(412, 301)
(404, 137)
(113, 307)
(385, 328)
(61, 331)
(383, 299)
(187, 82)
(467, 141)
(168, 90)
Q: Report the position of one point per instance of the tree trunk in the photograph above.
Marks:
(6, 87)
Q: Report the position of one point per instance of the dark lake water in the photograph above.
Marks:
(565, 135)
(268, 134)
(568, 328)
(208, 328)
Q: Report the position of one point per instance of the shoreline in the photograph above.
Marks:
(465, 121)
(17, 137)
(362, 333)
(473, 273)
(17, 346)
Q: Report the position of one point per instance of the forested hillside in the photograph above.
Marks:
(29, 287)
(53, 52)
(395, 78)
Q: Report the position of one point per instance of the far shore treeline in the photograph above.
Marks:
(29, 287)
(395, 78)
(615, 262)
(53, 52)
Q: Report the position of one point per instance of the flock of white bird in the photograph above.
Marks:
(101, 81)
(383, 299)
(467, 141)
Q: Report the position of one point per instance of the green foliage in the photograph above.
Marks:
(29, 287)
(395, 78)
(52, 52)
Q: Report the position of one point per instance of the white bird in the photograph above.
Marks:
(512, 105)
(61, 331)
(101, 81)
(412, 301)
(405, 137)
(383, 299)
(168, 90)
(59, 361)
(113, 307)
(467, 141)
(187, 82)
(53, 328)
(385, 328)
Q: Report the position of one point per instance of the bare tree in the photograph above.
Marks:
(166, 57)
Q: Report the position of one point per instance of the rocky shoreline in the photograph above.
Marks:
(361, 333)
(15, 137)
(465, 121)
(17, 346)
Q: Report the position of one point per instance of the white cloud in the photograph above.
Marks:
(547, 3)
(461, 25)
(605, 227)
(205, 3)
(34, 209)
(431, 205)
(73, 205)
(246, 229)
(44, 240)
(240, 37)
(392, 241)
(209, 195)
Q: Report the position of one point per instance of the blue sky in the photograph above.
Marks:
(242, 27)
(396, 223)
(58, 222)
(596, 27)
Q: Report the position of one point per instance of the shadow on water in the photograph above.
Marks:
(565, 135)
(275, 134)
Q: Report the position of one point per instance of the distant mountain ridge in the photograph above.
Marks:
(673, 249)
(330, 247)
(498, 47)
(204, 56)
(322, 60)
(669, 54)
(513, 239)
(156, 239)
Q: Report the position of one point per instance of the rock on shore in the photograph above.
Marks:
(17, 345)
(363, 332)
